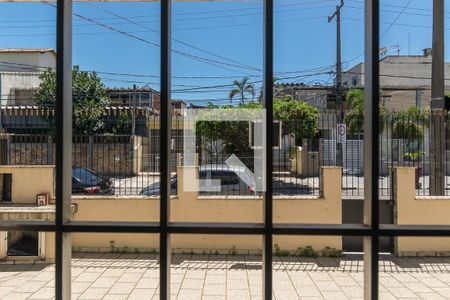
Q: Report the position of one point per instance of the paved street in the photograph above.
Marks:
(286, 185)
(135, 276)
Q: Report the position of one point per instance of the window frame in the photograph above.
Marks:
(371, 230)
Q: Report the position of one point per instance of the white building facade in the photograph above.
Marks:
(19, 73)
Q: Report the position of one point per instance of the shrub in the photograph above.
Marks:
(331, 252)
(307, 251)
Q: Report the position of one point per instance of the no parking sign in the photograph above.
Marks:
(341, 130)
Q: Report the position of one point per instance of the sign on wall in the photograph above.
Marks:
(341, 132)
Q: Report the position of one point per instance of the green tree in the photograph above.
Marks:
(242, 88)
(354, 118)
(233, 134)
(410, 124)
(123, 125)
(88, 96)
(297, 118)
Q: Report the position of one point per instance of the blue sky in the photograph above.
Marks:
(217, 42)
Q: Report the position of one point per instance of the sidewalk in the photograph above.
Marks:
(135, 276)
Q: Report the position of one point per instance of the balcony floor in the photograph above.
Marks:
(135, 276)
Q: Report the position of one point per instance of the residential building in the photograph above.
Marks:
(19, 73)
(319, 96)
(140, 97)
(405, 79)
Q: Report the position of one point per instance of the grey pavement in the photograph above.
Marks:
(135, 276)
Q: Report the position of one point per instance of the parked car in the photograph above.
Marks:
(154, 189)
(231, 181)
(85, 181)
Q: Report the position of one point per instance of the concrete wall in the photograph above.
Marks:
(23, 71)
(419, 210)
(34, 59)
(189, 207)
(28, 181)
(10, 81)
(108, 158)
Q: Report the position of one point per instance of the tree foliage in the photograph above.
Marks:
(88, 96)
(354, 118)
(242, 88)
(410, 124)
(297, 118)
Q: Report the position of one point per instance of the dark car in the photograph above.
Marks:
(154, 189)
(230, 177)
(85, 181)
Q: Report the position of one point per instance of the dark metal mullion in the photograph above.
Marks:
(371, 148)
(229, 228)
(268, 105)
(165, 153)
(63, 247)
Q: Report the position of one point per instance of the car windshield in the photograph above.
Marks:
(86, 176)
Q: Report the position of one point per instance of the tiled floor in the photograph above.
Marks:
(135, 276)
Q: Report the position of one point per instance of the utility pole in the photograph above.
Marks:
(338, 81)
(437, 139)
(133, 112)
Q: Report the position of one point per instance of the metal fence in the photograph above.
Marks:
(132, 162)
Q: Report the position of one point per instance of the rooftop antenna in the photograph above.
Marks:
(409, 43)
(397, 49)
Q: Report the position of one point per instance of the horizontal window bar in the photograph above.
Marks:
(322, 229)
(414, 230)
(99, 226)
(23, 225)
(230, 228)
(217, 228)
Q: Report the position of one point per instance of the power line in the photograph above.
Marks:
(396, 18)
(389, 27)
(43, 68)
(184, 13)
(400, 6)
(176, 40)
(201, 59)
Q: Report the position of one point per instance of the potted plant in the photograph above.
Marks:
(415, 158)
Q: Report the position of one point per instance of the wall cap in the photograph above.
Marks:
(118, 197)
(28, 166)
(243, 197)
(406, 168)
(432, 198)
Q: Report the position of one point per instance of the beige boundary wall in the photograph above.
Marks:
(419, 210)
(28, 181)
(185, 207)
(189, 207)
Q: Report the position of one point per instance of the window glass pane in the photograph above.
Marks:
(413, 142)
(27, 191)
(213, 267)
(217, 69)
(27, 269)
(316, 267)
(118, 265)
(116, 130)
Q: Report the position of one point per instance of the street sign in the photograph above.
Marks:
(341, 133)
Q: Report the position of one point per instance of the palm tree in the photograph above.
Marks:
(242, 88)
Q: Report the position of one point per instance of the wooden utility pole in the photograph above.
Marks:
(437, 139)
(338, 81)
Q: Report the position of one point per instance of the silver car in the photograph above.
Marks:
(233, 181)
